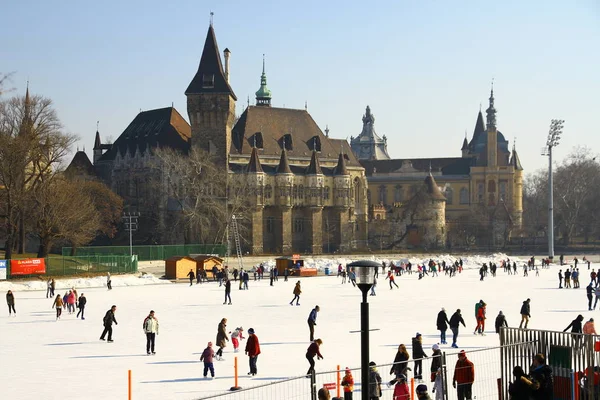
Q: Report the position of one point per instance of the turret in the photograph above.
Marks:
(97, 147)
(492, 133)
(284, 180)
(341, 183)
(314, 182)
(256, 179)
(263, 95)
(465, 147)
(434, 214)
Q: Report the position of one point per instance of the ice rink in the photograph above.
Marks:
(45, 358)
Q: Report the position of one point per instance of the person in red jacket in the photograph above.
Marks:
(348, 384)
(401, 390)
(311, 352)
(480, 315)
(252, 350)
(464, 376)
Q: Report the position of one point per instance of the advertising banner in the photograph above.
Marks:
(2, 270)
(28, 266)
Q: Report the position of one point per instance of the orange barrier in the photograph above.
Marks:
(338, 382)
(235, 375)
(129, 383)
(412, 388)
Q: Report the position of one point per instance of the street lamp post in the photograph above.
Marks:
(365, 278)
(556, 126)
(131, 224)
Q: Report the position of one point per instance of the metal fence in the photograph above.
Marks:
(86, 265)
(574, 359)
(487, 385)
(150, 253)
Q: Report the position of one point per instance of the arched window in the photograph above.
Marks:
(398, 194)
(480, 189)
(382, 194)
(357, 193)
(502, 191)
(295, 192)
(268, 191)
(449, 195)
(464, 196)
(326, 193)
(301, 192)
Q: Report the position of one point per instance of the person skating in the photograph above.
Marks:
(455, 320)
(312, 321)
(589, 289)
(401, 389)
(542, 381)
(374, 382)
(222, 338)
(71, 302)
(390, 276)
(312, 351)
(107, 321)
(48, 287)
(518, 389)
(348, 384)
(108, 281)
(480, 309)
(252, 351)
(297, 291)
(207, 358)
(52, 288)
(464, 376)
(560, 279)
(436, 372)
(227, 291)
(418, 354)
(192, 276)
(500, 322)
(589, 328)
(422, 394)
(82, 303)
(525, 313)
(567, 278)
(576, 330)
(58, 304)
(236, 336)
(597, 295)
(373, 287)
(150, 327)
(400, 365)
(442, 325)
(10, 301)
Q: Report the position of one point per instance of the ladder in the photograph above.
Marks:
(236, 237)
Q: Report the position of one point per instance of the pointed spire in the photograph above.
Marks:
(27, 99)
(254, 164)
(327, 130)
(432, 188)
(314, 168)
(97, 141)
(340, 168)
(465, 144)
(263, 95)
(491, 110)
(514, 159)
(284, 165)
(210, 77)
(479, 127)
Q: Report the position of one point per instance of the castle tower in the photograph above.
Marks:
(256, 183)
(97, 147)
(284, 181)
(211, 103)
(434, 214)
(342, 200)
(314, 183)
(492, 133)
(263, 95)
(517, 196)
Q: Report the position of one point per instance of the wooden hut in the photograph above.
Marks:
(178, 267)
(294, 265)
(206, 262)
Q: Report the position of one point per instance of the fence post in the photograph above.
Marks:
(235, 374)
(313, 385)
(412, 388)
(337, 383)
(444, 377)
(129, 384)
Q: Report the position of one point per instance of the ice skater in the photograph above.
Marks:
(373, 287)
(58, 304)
(312, 321)
(236, 336)
(207, 358)
(222, 338)
(312, 351)
(108, 320)
(436, 372)
(442, 325)
(192, 276)
(82, 302)
(297, 291)
(108, 281)
(560, 279)
(500, 322)
(10, 301)
(48, 287)
(348, 384)
(252, 351)
(464, 376)
(227, 291)
(418, 354)
(589, 289)
(390, 276)
(525, 313)
(151, 330)
(455, 321)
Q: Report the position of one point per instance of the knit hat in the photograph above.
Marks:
(348, 370)
(209, 344)
(435, 347)
(372, 364)
(421, 388)
(418, 334)
(251, 331)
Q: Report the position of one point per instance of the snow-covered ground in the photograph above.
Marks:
(41, 357)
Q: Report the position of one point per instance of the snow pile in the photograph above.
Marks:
(469, 261)
(92, 282)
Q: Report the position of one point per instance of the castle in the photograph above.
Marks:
(309, 193)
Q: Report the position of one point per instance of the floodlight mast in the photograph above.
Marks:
(556, 127)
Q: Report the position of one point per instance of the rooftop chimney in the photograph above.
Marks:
(226, 53)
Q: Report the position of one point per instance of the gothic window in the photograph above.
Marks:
(270, 224)
(268, 191)
(295, 192)
(502, 189)
(326, 193)
(315, 143)
(298, 225)
(288, 142)
(492, 186)
(449, 195)
(382, 194)
(257, 140)
(464, 196)
(208, 81)
(301, 192)
(480, 190)
(398, 194)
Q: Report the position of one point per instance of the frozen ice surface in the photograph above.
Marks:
(45, 358)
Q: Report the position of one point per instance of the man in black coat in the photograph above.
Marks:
(455, 320)
(525, 315)
(191, 275)
(418, 354)
(442, 325)
(109, 318)
(542, 381)
(500, 321)
(82, 302)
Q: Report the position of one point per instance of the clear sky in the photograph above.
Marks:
(424, 67)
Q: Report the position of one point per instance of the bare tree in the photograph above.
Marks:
(32, 146)
(4, 79)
